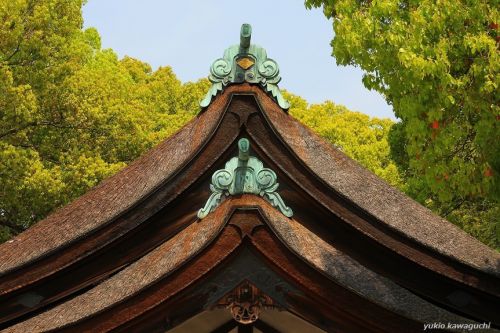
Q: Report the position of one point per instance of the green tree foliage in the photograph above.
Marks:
(362, 138)
(72, 114)
(437, 63)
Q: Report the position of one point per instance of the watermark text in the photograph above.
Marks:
(457, 326)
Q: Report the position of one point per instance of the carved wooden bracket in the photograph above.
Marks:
(246, 303)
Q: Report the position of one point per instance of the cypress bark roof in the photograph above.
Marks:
(131, 248)
(113, 196)
(168, 257)
(121, 191)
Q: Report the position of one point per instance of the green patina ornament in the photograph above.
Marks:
(245, 63)
(244, 174)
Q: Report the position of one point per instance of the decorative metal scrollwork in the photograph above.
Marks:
(244, 174)
(220, 68)
(269, 69)
(245, 63)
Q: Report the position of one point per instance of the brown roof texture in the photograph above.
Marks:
(150, 268)
(380, 228)
(374, 195)
(349, 273)
(113, 196)
(173, 253)
(343, 174)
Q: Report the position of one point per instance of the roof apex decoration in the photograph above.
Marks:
(244, 174)
(245, 63)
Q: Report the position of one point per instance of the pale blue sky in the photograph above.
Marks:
(189, 35)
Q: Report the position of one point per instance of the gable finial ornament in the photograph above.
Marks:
(244, 174)
(245, 62)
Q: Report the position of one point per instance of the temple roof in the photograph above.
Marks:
(134, 253)
(245, 62)
(167, 257)
(348, 178)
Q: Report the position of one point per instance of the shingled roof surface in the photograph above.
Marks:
(374, 195)
(170, 255)
(132, 248)
(121, 191)
(113, 196)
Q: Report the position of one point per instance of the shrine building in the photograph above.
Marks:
(246, 221)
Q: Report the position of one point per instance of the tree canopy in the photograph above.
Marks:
(437, 63)
(71, 113)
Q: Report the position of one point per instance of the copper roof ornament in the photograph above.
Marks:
(244, 174)
(245, 63)
(246, 302)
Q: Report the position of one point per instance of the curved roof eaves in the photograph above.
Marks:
(113, 196)
(375, 196)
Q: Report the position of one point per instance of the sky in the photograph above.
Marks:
(189, 35)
